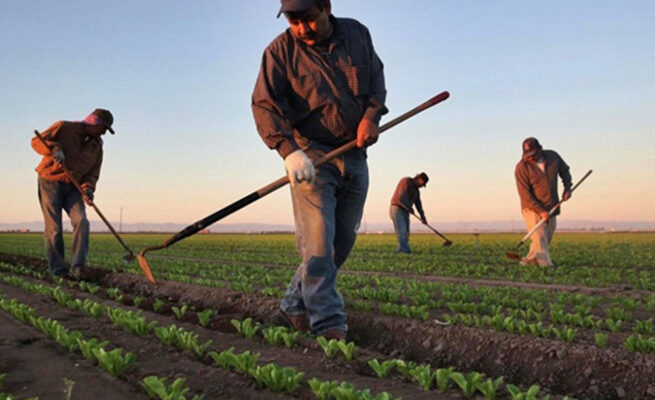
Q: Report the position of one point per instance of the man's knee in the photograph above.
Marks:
(80, 223)
(320, 267)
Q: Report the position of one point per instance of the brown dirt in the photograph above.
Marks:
(573, 369)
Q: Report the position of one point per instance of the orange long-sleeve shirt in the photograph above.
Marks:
(83, 153)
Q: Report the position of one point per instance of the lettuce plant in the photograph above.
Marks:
(180, 311)
(382, 369)
(322, 390)
(289, 338)
(246, 327)
(87, 347)
(489, 388)
(276, 378)
(468, 383)
(442, 376)
(158, 305)
(113, 361)
(115, 294)
(600, 339)
(205, 316)
(423, 375)
(157, 388)
(243, 362)
(330, 348)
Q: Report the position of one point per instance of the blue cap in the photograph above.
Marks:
(295, 5)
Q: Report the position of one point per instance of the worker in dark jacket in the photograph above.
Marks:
(403, 201)
(78, 147)
(320, 85)
(536, 181)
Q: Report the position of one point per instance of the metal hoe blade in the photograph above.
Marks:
(145, 267)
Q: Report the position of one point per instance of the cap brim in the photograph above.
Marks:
(529, 153)
(110, 130)
(296, 6)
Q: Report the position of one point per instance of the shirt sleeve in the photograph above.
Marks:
(523, 186)
(50, 136)
(270, 105)
(419, 206)
(378, 92)
(93, 175)
(564, 174)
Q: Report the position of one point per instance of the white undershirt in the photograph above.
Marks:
(542, 164)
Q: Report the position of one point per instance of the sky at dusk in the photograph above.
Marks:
(178, 76)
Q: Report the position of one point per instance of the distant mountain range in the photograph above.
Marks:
(378, 227)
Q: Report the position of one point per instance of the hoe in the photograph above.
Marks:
(512, 255)
(129, 257)
(447, 242)
(258, 194)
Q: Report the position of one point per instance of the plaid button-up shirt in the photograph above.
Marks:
(304, 93)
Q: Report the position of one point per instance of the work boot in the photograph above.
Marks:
(528, 261)
(76, 272)
(334, 333)
(65, 274)
(299, 322)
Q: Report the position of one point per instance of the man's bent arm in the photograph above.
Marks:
(419, 207)
(50, 136)
(93, 175)
(269, 105)
(378, 92)
(565, 174)
(525, 194)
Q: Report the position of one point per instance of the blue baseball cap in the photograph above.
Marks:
(295, 5)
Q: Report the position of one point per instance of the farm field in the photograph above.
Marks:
(444, 323)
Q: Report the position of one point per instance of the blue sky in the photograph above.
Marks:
(178, 76)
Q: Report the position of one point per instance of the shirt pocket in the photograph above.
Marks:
(310, 88)
(359, 78)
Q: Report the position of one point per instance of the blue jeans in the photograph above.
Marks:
(400, 218)
(55, 196)
(327, 214)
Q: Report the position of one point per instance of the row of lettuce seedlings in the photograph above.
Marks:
(510, 320)
(452, 264)
(390, 288)
(600, 276)
(113, 362)
(278, 378)
(271, 376)
(504, 319)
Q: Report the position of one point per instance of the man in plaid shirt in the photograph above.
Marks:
(321, 85)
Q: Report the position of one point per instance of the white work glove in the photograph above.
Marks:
(58, 155)
(299, 168)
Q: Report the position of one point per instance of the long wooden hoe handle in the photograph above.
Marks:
(271, 187)
(432, 228)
